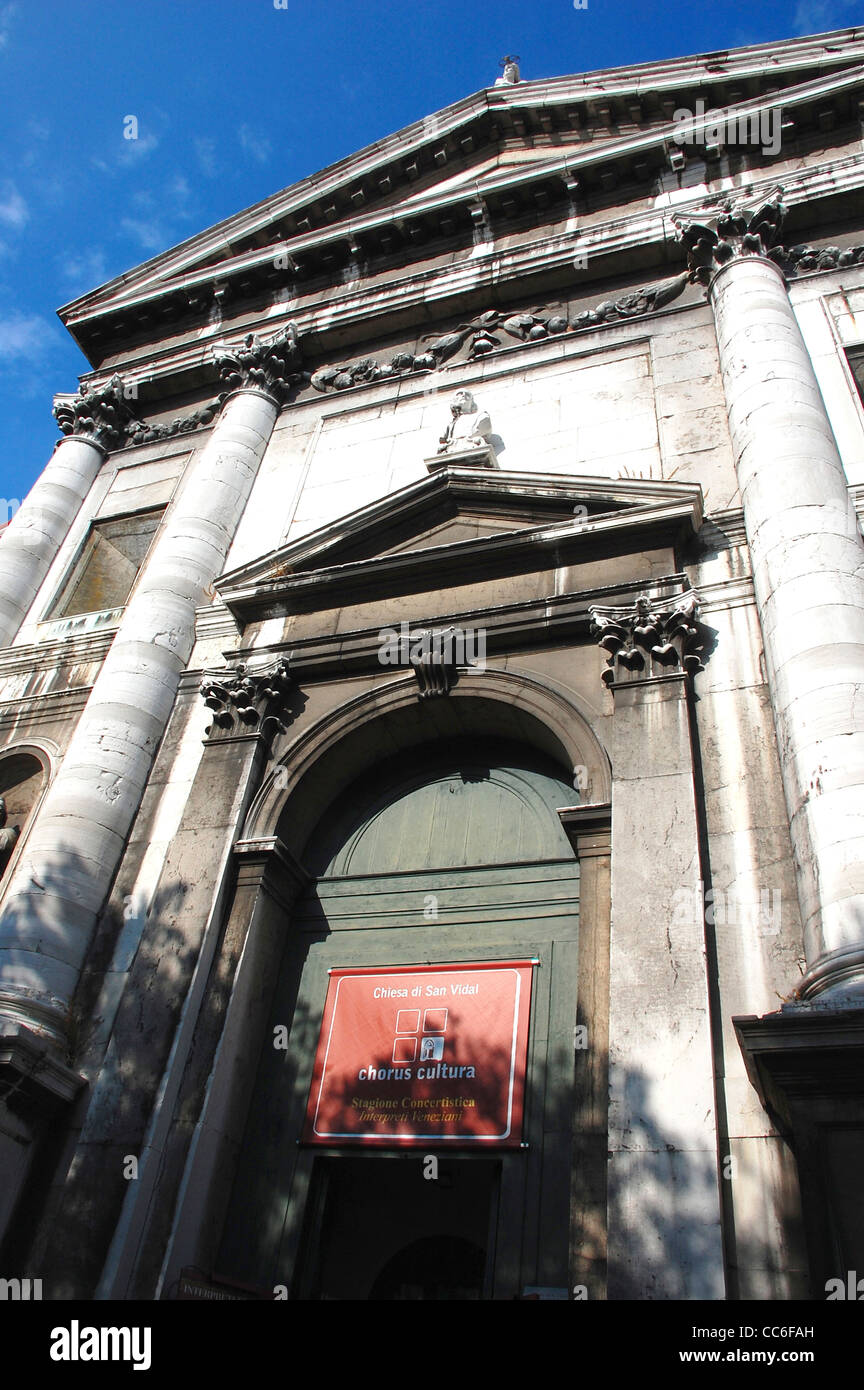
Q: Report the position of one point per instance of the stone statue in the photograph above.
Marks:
(510, 75)
(8, 838)
(469, 427)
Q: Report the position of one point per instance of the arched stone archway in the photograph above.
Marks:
(389, 720)
(266, 958)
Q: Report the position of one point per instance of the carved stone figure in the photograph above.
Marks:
(8, 837)
(469, 427)
(510, 75)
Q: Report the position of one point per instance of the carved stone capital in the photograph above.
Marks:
(98, 413)
(651, 639)
(272, 367)
(247, 701)
(730, 230)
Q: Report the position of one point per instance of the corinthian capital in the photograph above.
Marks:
(651, 638)
(727, 230)
(257, 700)
(273, 367)
(101, 414)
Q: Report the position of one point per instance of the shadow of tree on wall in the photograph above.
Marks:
(66, 1218)
(662, 1243)
(665, 1239)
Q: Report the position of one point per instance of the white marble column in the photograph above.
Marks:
(35, 533)
(808, 570)
(73, 852)
(94, 422)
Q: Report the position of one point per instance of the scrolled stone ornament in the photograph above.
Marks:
(720, 233)
(252, 698)
(272, 367)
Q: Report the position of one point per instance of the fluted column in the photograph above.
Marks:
(72, 854)
(808, 573)
(93, 423)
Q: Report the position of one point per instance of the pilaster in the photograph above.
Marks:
(664, 1207)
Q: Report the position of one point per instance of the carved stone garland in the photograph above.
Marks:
(482, 333)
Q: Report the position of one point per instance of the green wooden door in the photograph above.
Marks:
(459, 856)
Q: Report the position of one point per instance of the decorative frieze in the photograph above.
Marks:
(482, 336)
(651, 639)
(801, 259)
(103, 414)
(139, 432)
(255, 700)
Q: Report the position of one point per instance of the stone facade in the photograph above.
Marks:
(553, 401)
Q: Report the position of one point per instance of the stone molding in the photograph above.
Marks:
(32, 1067)
(651, 639)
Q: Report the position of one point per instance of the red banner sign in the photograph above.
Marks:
(430, 1054)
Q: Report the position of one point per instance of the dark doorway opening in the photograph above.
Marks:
(385, 1228)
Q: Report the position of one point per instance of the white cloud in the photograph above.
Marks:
(7, 17)
(258, 147)
(86, 270)
(205, 150)
(816, 16)
(24, 336)
(131, 151)
(13, 209)
(148, 232)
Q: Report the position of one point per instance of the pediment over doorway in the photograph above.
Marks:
(464, 522)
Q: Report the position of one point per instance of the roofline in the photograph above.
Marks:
(486, 99)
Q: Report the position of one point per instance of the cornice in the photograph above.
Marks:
(499, 490)
(544, 94)
(490, 196)
(438, 565)
(424, 296)
(75, 650)
(508, 627)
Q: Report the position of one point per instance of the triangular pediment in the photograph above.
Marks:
(479, 163)
(458, 520)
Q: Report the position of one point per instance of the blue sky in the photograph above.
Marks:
(236, 99)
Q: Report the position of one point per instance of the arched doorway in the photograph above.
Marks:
(23, 777)
(453, 854)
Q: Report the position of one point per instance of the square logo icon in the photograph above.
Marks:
(435, 1021)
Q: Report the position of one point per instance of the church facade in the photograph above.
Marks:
(431, 734)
